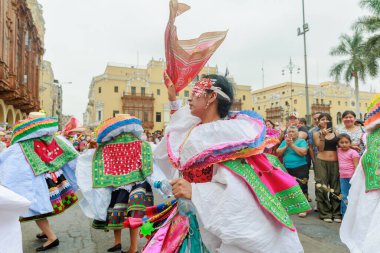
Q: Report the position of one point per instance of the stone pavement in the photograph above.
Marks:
(76, 235)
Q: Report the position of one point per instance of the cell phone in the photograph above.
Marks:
(329, 125)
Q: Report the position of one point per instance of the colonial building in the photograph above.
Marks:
(141, 91)
(50, 91)
(277, 101)
(21, 52)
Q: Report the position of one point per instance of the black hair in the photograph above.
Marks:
(303, 120)
(341, 136)
(324, 115)
(345, 113)
(268, 120)
(223, 104)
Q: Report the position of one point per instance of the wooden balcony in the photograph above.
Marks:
(275, 114)
(316, 107)
(237, 105)
(140, 105)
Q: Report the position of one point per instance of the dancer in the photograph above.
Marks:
(114, 177)
(242, 201)
(39, 167)
(361, 224)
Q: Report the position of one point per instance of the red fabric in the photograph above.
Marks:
(186, 58)
(198, 175)
(70, 125)
(122, 158)
(47, 152)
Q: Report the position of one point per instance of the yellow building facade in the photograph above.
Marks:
(277, 101)
(49, 91)
(140, 91)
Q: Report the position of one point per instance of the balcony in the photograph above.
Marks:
(320, 107)
(237, 105)
(275, 114)
(140, 105)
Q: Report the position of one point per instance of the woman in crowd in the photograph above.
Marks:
(272, 135)
(293, 151)
(355, 132)
(326, 171)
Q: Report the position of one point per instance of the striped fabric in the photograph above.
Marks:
(373, 111)
(26, 127)
(186, 58)
(109, 126)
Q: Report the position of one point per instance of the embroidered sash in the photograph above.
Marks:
(121, 161)
(45, 155)
(371, 161)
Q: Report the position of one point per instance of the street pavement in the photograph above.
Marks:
(76, 235)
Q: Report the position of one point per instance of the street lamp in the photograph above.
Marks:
(305, 29)
(291, 67)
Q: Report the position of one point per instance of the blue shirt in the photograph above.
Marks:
(291, 159)
(311, 141)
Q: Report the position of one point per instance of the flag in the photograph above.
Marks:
(186, 58)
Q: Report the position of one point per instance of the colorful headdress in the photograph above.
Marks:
(373, 117)
(186, 58)
(205, 84)
(117, 125)
(33, 127)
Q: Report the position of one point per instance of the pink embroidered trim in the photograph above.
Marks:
(206, 154)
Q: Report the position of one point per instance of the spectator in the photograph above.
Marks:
(326, 170)
(273, 134)
(3, 146)
(293, 151)
(355, 132)
(348, 160)
(293, 120)
(313, 150)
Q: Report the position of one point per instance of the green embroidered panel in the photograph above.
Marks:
(102, 179)
(275, 162)
(371, 161)
(39, 166)
(293, 200)
(266, 199)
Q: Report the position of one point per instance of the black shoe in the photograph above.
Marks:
(98, 224)
(41, 236)
(50, 246)
(115, 248)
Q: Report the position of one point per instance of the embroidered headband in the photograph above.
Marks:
(205, 84)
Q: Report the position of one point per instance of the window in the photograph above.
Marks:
(243, 97)
(99, 115)
(133, 90)
(265, 97)
(292, 90)
(145, 116)
(352, 103)
(283, 93)
(142, 91)
(345, 103)
(116, 89)
(338, 102)
(158, 116)
(158, 92)
(321, 100)
(366, 105)
(330, 102)
(186, 93)
(100, 89)
(317, 101)
(286, 103)
(295, 101)
(258, 107)
(114, 113)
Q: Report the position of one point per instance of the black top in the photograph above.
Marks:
(331, 145)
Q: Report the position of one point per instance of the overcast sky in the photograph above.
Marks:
(83, 35)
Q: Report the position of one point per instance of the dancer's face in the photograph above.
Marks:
(198, 104)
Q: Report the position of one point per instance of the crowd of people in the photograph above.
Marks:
(332, 152)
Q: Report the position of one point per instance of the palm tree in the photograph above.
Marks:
(358, 63)
(371, 25)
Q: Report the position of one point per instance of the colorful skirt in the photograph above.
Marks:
(61, 193)
(126, 203)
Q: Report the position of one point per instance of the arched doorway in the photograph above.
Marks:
(10, 117)
(2, 112)
(18, 116)
(339, 118)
